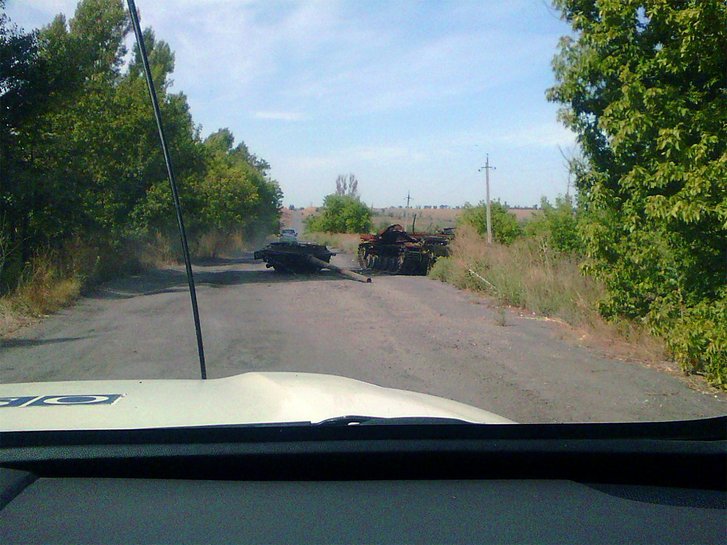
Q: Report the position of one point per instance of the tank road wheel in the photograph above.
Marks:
(391, 264)
(369, 261)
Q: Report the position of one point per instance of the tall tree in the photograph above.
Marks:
(347, 186)
(98, 28)
(643, 84)
(79, 147)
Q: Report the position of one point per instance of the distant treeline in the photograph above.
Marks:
(79, 149)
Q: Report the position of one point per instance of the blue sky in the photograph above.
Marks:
(409, 96)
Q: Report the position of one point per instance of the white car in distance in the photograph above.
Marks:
(288, 235)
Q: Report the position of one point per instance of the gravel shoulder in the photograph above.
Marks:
(403, 332)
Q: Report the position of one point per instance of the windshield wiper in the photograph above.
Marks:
(359, 420)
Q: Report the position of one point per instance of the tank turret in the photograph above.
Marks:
(395, 251)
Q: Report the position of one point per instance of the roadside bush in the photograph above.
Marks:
(696, 335)
(556, 225)
(80, 158)
(341, 214)
(447, 270)
(505, 227)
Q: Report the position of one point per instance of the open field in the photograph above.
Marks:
(427, 219)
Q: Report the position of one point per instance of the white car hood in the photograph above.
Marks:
(250, 398)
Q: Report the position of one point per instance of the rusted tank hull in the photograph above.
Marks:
(395, 251)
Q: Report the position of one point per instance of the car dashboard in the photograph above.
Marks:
(569, 483)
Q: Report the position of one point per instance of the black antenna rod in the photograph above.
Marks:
(172, 182)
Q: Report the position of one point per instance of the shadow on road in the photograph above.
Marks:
(173, 281)
(14, 343)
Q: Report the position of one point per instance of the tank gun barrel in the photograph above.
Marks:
(340, 270)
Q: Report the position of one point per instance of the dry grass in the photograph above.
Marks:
(162, 251)
(55, 278)
(209, 244)
(528, 275)
(156, 253)
(427, 219)
(217, 244)
(45, 287)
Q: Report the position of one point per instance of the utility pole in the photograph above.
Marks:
(408, 198)
(487, 168)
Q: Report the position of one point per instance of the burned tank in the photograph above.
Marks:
(293, 256)
(396, 251)
(302, 257)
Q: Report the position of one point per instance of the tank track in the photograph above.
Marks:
(407, 262)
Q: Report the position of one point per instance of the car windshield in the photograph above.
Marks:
(491, 212)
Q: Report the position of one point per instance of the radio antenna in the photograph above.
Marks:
(172, 182)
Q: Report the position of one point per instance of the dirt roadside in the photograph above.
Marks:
(403, 332)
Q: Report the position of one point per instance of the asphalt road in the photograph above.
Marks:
(295, 221)
(404, 332)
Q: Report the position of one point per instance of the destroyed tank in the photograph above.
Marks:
(295, 257)
(396, 251)
(288, 256)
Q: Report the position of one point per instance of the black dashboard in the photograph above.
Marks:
(570, 483)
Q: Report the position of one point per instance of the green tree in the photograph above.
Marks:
(161, 61)
(505, 227)
(557, 225)
(229, 188)
(347, 186)
(642, 83)
(341, 214)
(79, 148)
(22, 93)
